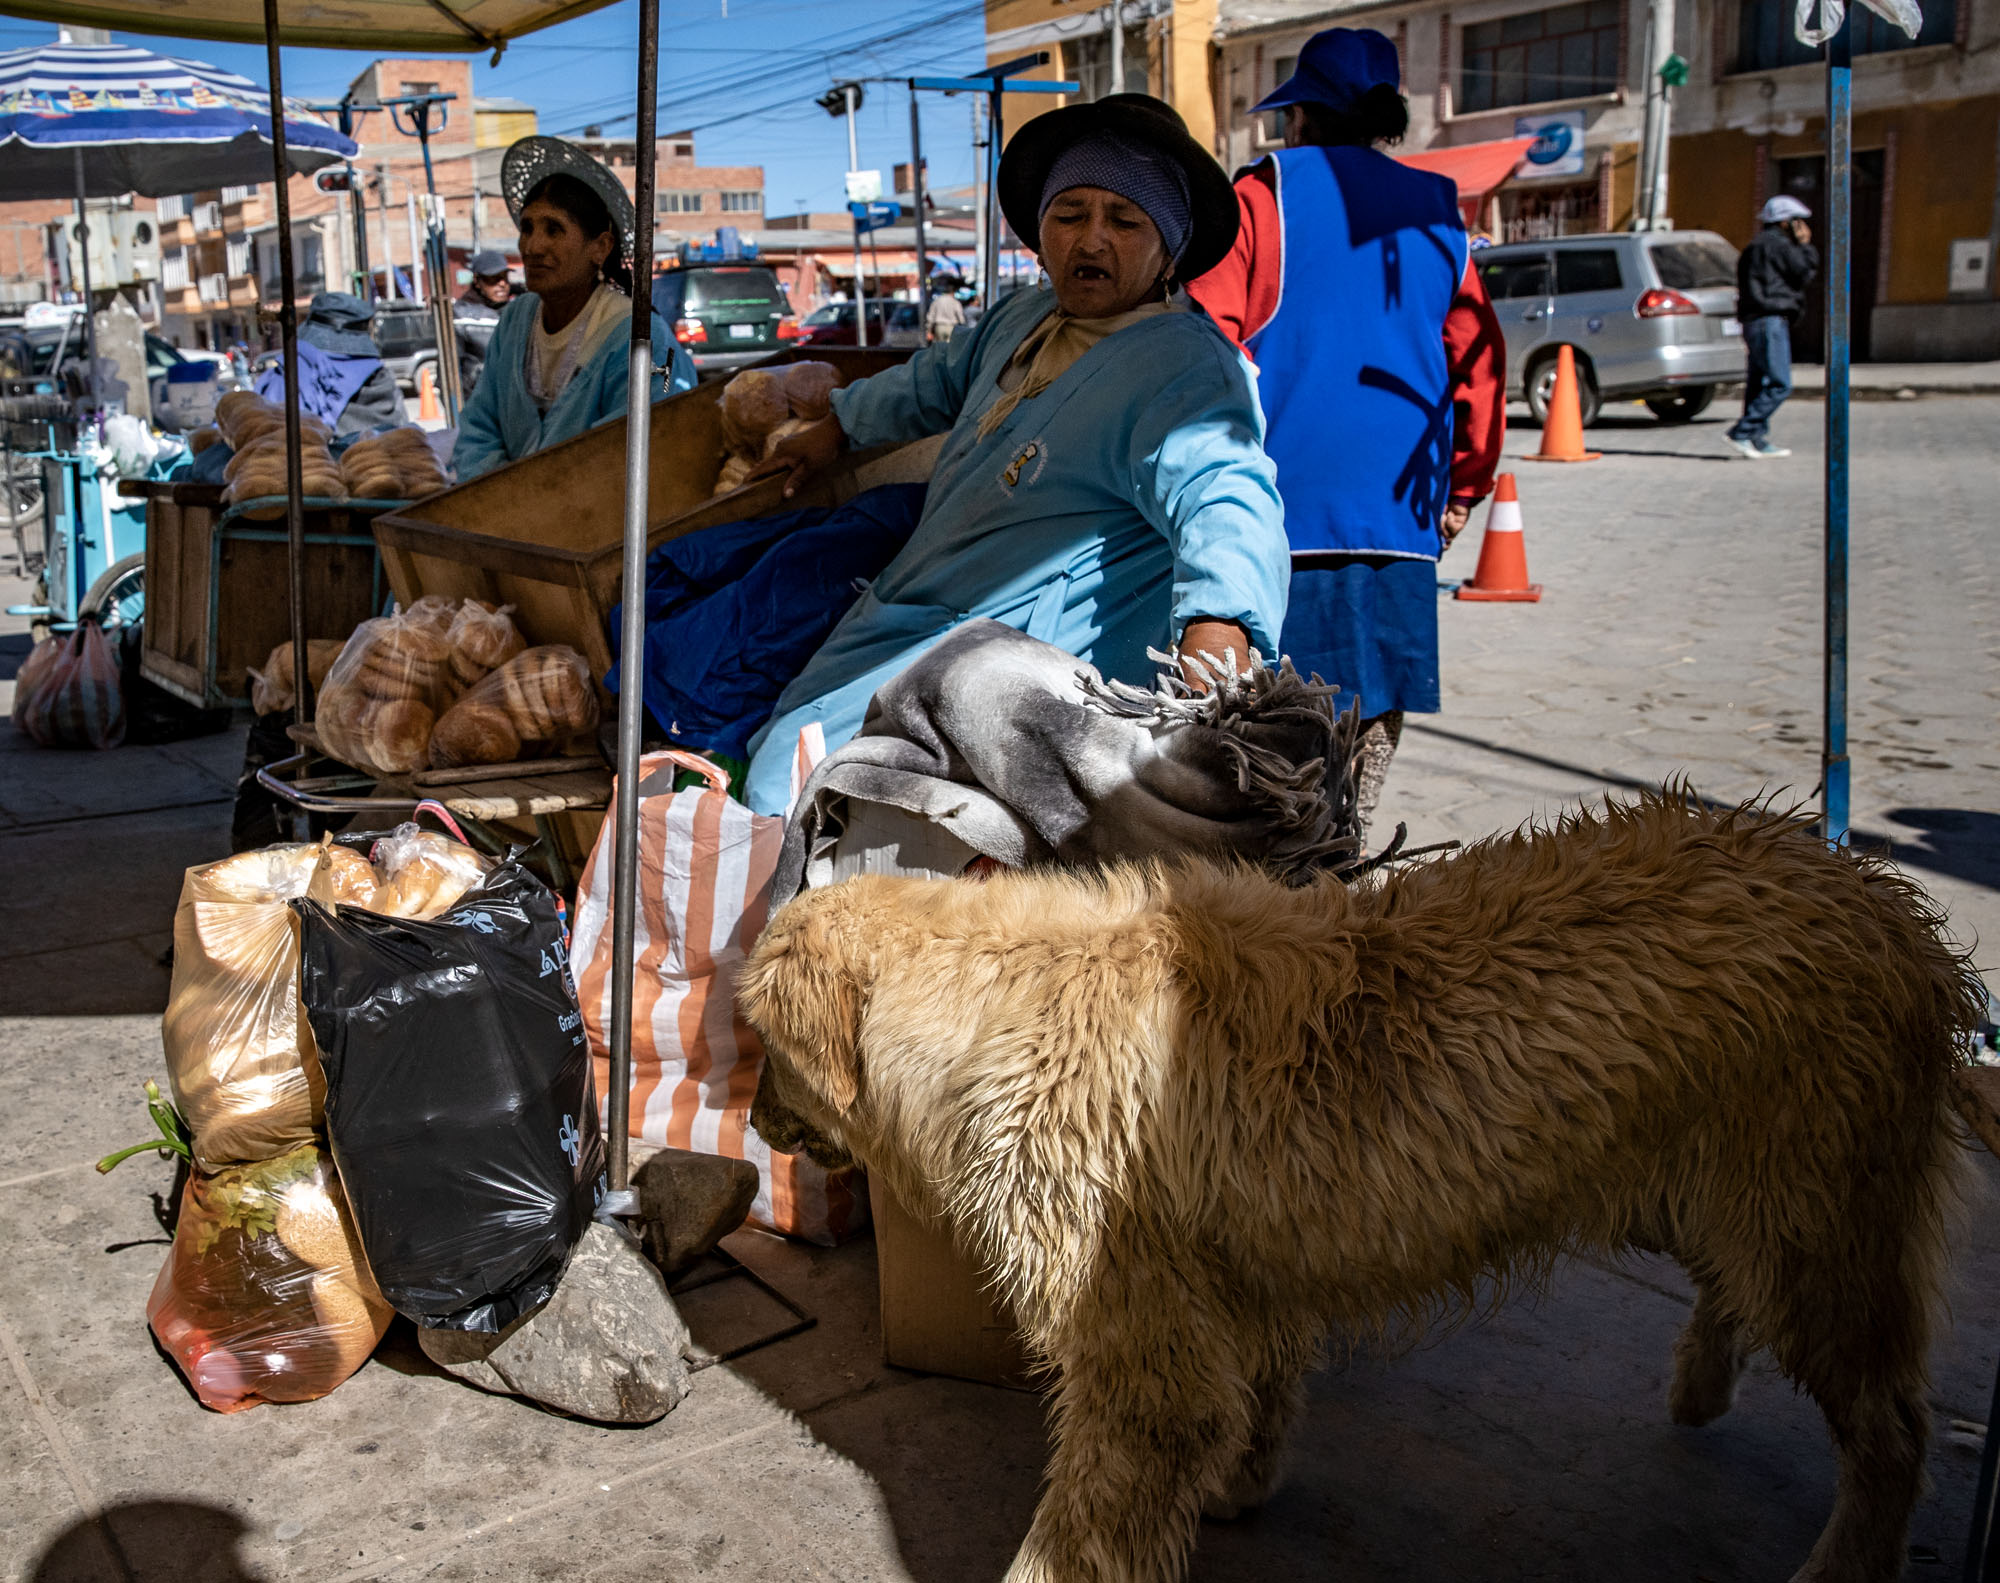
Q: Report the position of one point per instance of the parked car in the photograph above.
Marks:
(889, 324)
(406, 338)
(726, 315)
(1649, 315)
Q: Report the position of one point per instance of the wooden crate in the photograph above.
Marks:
(216, 600)
(545, 534)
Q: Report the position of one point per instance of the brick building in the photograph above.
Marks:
(693, 199)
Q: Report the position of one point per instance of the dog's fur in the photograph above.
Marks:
(1195, 1121)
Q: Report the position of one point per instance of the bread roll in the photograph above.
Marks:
(546, 692)
(350, 879)
(396, 735)
(474, 732)
(809, 388)
(734, 475)
(202, 438)
(784, 431)
(273, 688)
(754, 403)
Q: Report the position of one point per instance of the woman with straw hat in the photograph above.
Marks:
(1103, 484)
(1382, 374)
(556, 363)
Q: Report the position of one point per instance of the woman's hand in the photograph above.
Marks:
(1228, 642)
(803, 454)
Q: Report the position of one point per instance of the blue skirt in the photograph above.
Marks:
(1368, 624)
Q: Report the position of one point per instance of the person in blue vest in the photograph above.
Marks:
(342, 380)
(1381, 370)
(557, 361)
(1103, 484)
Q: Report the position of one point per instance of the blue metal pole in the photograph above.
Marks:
(1839, 185)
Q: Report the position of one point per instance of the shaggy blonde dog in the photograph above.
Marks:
(1195, 1121)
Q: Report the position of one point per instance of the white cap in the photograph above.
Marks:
(1782, 208)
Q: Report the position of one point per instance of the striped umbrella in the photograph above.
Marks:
(98, 120)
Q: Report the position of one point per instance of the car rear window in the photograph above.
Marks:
(1515, 277)
(1689, 266)
(1587, 269)
(396, 333)
(724, 290)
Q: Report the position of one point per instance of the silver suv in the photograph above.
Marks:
(1651, 316)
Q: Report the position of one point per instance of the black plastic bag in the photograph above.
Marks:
(459, 1097)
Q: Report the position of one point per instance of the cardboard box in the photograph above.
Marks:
(937, 1315)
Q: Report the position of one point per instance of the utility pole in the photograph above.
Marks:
(979, 208)
(1117, 46)
(388, 240)
(1652, 195)
(917, 209)
(851, 92)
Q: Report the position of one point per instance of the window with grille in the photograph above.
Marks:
(238, 248)
(208, 216)
(1088, 61)
(238, 194)
(742, 202)
(1765, 40)
(680, 203)
(214, 288)
(173, 208)
(1569, 52)
(174, 270)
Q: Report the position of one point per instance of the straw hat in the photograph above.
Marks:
(527, 162)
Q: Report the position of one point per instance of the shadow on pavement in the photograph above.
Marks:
(14, 647)
(147, 1541)
(1963, 843)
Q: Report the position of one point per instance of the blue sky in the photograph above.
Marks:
(743, 73)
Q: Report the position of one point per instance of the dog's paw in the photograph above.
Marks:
(1701, 1395)
(1225, 1509)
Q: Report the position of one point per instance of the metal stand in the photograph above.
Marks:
(1839, 188)
(632, 636)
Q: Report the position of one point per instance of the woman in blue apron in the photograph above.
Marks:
(1103, 484)
(1381, 370)
(556, 364)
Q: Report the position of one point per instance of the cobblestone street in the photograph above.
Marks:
(1679, 634)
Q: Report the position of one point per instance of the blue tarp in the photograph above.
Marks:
(734, 612)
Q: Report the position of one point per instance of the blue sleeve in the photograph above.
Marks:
(916, 399)
(480, 447)
(1200, 475)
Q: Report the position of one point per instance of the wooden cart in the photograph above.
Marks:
(544, 534)
(215, 582)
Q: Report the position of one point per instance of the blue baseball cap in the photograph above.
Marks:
(1336, 68)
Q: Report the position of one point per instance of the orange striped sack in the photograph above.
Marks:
(705, 866)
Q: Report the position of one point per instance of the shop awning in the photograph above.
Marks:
(1477, 167)
(433, 25)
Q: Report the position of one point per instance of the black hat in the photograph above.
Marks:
(1033, 151)
(338, 323)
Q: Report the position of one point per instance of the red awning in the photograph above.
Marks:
(1477, 167)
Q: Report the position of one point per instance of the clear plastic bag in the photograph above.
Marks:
(68, 693)
(274, 687)
(397, 464)
(422, 874)
(257, 471)
(266, 1295)
(533, 704)
(483, 638)
(384, 694)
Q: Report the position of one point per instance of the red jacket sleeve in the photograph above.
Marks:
(1476, 353)
(1241, 293)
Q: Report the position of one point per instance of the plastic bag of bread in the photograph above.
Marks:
(432, 612)
(753, 404)
(529, 707)
(385, 692)
(266, 1295)
(809, 388)
(258, 472)
(202, 438)
(397, 464)
(483, 638)
(423, 874)
(239, 1060)
(275, 686)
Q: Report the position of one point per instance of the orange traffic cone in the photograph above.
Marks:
(429, 410)
(1503, 551)
(1562, 433)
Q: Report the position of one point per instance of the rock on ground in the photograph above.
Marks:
(609, 1346)
(690, 1202)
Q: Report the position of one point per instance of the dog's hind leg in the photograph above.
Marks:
(1249, 1475)
(1708, 1358)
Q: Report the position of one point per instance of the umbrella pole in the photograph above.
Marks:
(632, 629)
(1839, 149)
(89, 312)
(288, 333)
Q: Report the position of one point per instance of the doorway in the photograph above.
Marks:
(1805, 180)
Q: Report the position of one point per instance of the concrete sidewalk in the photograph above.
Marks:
(1679, 633)
(1876, 381)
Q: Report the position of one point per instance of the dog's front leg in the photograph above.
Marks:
(1135, 1441)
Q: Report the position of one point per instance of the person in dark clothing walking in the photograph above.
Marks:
(1772, 275)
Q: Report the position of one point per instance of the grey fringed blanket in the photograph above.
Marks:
(1027, 755)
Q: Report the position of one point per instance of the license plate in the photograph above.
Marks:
(748, 332)
(1732, 326)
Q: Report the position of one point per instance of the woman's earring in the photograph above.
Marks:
(1043, 281)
